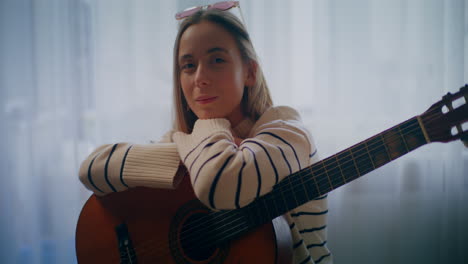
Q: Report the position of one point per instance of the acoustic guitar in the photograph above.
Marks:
(143, 225)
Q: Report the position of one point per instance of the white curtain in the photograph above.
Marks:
(75, 74)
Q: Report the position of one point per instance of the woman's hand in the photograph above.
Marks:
(237, 140)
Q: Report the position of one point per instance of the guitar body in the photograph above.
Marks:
(143, 225)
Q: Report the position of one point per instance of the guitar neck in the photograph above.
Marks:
(337, 170)
(324, 176)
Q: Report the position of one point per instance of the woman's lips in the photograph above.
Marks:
(206, 100)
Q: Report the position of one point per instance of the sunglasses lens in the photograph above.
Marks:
(187, 12)
(224, 5)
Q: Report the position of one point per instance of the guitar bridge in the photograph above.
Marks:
(126, 249)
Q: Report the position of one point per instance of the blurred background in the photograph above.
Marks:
(75, 74)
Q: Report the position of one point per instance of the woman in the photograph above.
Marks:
(234, 143)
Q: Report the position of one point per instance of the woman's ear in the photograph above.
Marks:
(252, 67)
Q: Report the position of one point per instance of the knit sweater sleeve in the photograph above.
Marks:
(117, 167)
(227, 176)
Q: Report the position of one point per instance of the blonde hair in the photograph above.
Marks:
(255, 100)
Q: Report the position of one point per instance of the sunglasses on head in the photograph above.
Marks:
(223, 6)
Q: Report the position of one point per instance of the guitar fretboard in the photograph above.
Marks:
(339, 169)
(322, 177)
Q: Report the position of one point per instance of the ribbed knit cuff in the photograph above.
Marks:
(203, 129)
(152, 165)
(206, 127)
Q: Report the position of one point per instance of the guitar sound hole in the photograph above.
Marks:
(194, 239)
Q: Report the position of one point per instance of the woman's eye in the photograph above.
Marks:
(218, 60)
(187, 66)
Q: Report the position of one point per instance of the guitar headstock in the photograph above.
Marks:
(447, 120)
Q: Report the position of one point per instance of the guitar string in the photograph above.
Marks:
(326, 180)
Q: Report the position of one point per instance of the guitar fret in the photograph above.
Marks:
(298, 187)
(270, 205)
(414, 138)
(378, 150)
(268, 208)
(304, 186)
(394, 143)
(355, 164)
(310, 184)
(370, 157)
(385, 146)
(328, 176)
(288, 195)
(333, 172)
(403, 139)
(362, 158)
(294, 196)
(315, 180)
(347, 166)
(282, 202)
(322, 178)
(285, 203)
(266, 205)
(341, 171)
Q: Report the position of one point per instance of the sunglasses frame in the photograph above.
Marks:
(219, 6)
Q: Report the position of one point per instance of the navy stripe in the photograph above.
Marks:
(106, 176)
(123, 164)
(285, 142)
(312, 229)
(190, 152)
(291, 226)
(199, 154)
(306, 260)
(309, 213)
(298, 244)
(203, 165)
(209, 144)
(239, 184)
(269, 157)
(285, 159)
(317, 245)
(321, 258)
(313, 154)
(215, 182)
(89, 174)
(321, 197)
(259, 176)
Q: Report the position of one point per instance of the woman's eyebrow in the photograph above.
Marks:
(216, 49)
(185, 57)
(211, 50)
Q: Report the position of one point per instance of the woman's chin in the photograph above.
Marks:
(208, 115)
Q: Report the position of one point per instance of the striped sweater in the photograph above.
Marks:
(223, 175)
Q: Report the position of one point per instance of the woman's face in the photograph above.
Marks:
(212, 72)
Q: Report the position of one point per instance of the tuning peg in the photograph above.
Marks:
(447, 96)
(466, 94)
(464, 139)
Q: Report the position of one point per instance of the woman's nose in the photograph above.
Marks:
(202, 77)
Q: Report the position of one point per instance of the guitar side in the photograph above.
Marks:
(140, 225)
